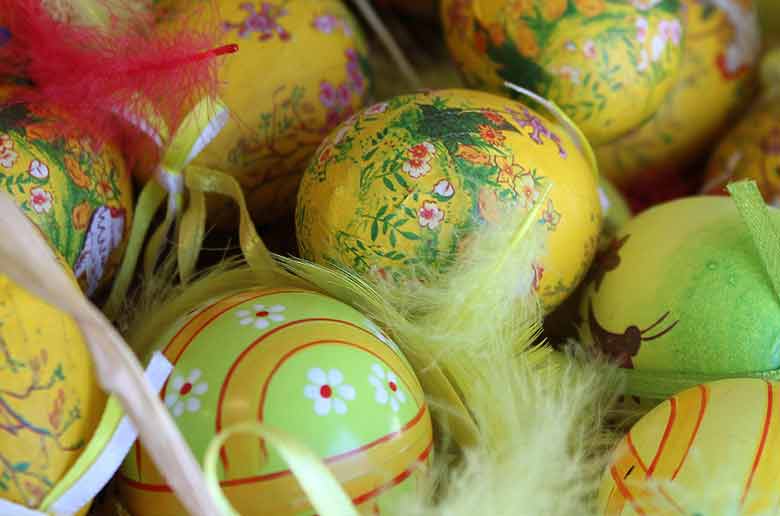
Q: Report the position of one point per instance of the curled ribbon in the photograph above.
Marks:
(325, 494)
(173, 178)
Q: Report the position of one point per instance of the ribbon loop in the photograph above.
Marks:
(325, 494)
(197, 130)
(766, 238)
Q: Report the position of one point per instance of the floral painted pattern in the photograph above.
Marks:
(185, 393)
(328, 391)
(78, 197)
(305, 106)
(261, 316)
(387, 390)
(7, 154)
(263, 22)
(447, 170)
(589, 56)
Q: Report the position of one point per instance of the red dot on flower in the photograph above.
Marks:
(261, 313)
(393, 386)
(185, 389)
(326, 391)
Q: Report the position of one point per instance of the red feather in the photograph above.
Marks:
(124, 66)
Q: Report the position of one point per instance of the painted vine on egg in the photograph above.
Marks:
(466, 142)
(548, 47)
(36, 377)
(291, 107)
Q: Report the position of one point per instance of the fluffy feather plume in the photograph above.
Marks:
(446, 322)
(120, 63)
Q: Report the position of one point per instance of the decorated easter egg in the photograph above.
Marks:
(682, 292)
(561, 324)
(50, 399)
(403, 187)
(721, 47)
(723, 434)
(307, 365)
(751, 149)
(301, 69)
(608, 63)
(81, 199)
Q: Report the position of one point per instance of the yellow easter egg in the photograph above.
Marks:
(303, 364)
(50, 402)
(711, 449)
(721, 47)
(608, 63)
(403, 186)
(81, 199)
(751, 150)
(301, 69)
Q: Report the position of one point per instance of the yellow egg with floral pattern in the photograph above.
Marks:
(403, 187)
(80, 197)
(751, 150)
(301, 69)
(50, 402)
(608, 63)
(721, 49)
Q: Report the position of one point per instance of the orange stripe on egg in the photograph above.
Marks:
(704, 397)
(761, 442)
(762, 488)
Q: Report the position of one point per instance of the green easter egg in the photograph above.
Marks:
(682, 293)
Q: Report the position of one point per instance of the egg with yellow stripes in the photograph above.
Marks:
(712, 449)
(304, 364)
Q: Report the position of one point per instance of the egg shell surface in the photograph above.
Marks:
(306, 365)
(404, 186)
(608, 63)
(682, 289)
(723, 434)
(50, 401)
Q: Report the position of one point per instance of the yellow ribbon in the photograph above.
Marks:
(198, 129)
(325, 494)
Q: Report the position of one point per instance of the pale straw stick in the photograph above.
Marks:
(27, 259)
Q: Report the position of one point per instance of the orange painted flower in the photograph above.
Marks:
(491, 135)
(472, 155)
(76, 172)
(590, 8)
(488, 205)
(554, 9)
(480, 42)
(508, 171)
(80, 215)
(497, 35)
(523, 8)
(494, 117)
(526, 40)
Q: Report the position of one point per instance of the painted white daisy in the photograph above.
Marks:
(38, 170)
(185, 392)
(328, 391)
(387, 389)
(262, 316)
